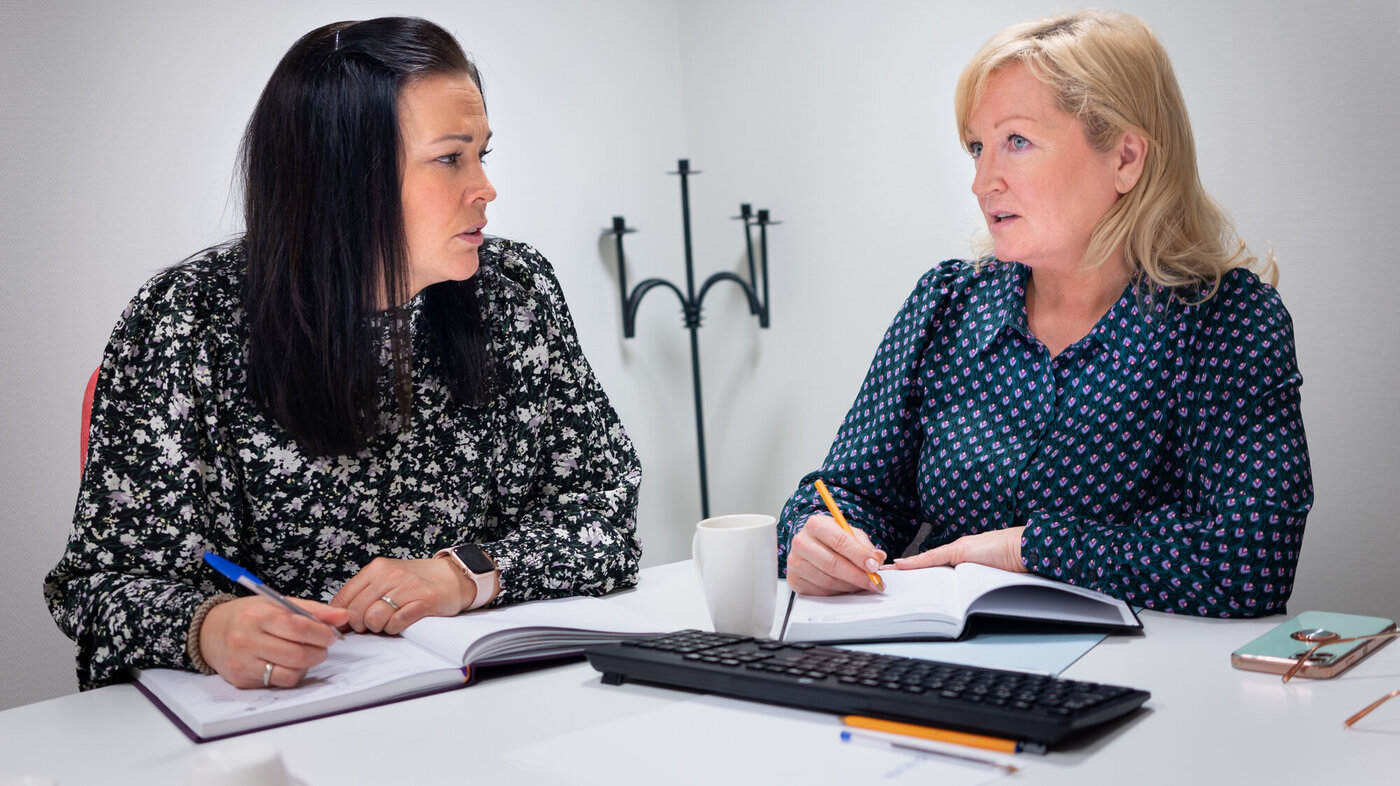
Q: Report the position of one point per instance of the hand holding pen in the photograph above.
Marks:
(266, 640)
(829, 557)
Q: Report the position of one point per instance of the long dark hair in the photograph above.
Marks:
(325, 241)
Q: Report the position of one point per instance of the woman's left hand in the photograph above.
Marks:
(418, 587)
(999, 549)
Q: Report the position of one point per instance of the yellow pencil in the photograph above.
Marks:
(841, 519)
(929, 733)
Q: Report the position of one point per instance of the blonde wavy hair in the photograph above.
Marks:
(1109, 71)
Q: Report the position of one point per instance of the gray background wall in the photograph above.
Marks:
(120, 123)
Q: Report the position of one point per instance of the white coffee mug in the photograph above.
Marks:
(737, 557)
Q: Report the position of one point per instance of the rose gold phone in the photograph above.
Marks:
(1278, 650)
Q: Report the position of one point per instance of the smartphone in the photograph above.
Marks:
(1279, 649)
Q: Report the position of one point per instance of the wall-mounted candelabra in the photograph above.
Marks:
(691, 301)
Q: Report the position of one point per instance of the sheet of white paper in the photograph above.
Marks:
(711, 740)
(1037, 653)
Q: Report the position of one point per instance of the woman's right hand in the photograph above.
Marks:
(826, 560)
(239, 638)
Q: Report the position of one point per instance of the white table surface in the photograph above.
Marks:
(1205, 723)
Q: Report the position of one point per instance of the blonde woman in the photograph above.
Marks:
(1110, 397)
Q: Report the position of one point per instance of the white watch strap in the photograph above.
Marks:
(485, 582)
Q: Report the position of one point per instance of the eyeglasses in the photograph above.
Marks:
(1327, 641)
(1364, 710)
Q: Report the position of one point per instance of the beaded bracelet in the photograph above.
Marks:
(197, 622)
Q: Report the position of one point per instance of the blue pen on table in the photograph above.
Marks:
(242, 576)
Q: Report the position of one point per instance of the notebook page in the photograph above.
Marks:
(541, 625)
(359, 663)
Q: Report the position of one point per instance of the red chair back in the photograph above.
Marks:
(87, 420)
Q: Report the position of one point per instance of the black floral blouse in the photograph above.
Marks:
(181, 461)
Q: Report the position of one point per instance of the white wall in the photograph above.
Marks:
(840, 115)
(120, 124)
(118, 133)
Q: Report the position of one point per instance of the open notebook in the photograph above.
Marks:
(936, 603)
(433, 654)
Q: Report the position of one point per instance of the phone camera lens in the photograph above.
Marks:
(1314, 635)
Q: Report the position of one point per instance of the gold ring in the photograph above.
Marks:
(267, 675)
(389, 601)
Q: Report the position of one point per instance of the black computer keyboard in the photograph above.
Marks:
(1036, 710)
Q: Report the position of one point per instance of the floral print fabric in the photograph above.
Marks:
(1160, 459)
(181, 461)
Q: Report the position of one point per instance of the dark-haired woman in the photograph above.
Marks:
(365, 400)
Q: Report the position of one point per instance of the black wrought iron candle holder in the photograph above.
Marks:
(691, 301)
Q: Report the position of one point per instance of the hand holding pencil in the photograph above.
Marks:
(829, 557)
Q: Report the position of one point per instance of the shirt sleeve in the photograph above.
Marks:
(572, 529)
(1229, 545)
(872, 465)
(130, 578)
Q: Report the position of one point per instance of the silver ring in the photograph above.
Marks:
(389, 601)
(267, 675)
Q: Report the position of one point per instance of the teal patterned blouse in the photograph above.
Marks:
(1160, 459)
(181, 461)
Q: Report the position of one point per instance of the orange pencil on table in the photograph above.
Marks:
(982, 741)
(841, 519)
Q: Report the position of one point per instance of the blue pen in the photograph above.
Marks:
(241, 576)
